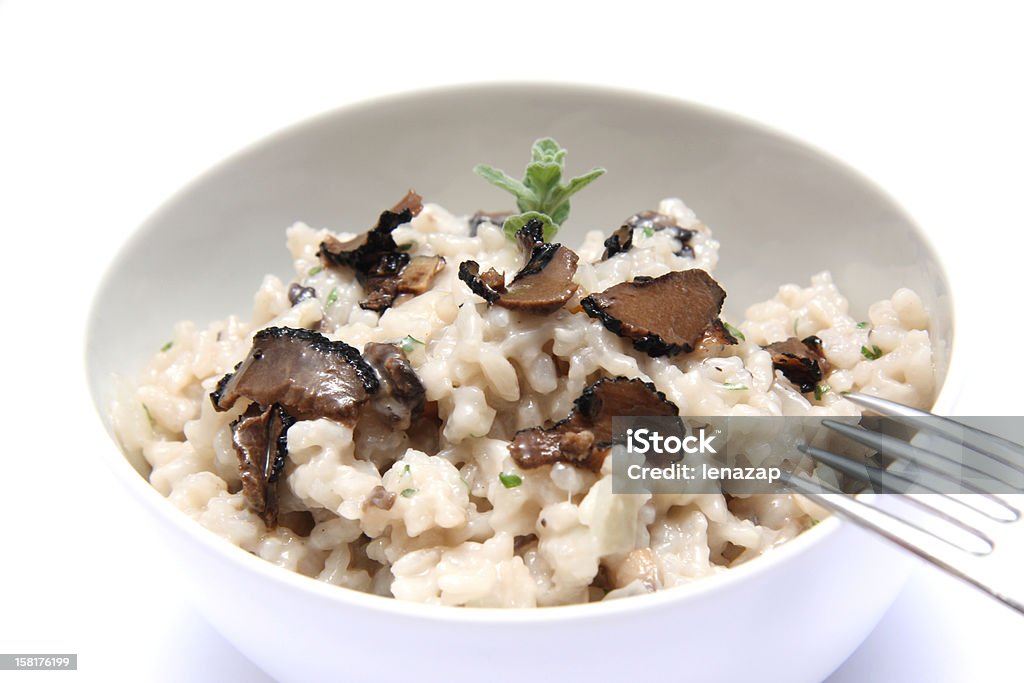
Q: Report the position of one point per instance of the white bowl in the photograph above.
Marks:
(781, 210)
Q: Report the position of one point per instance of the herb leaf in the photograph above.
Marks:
(499, 178)
(862, 325)
(408, 493)
(541, 190)
(734, 331)
(332, 298)
(514, 224)
(314, 270)
(820, 390)
(166, 347)
(734, 386)
(510, 481)
(874, 353)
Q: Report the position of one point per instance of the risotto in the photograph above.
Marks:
(448, 457)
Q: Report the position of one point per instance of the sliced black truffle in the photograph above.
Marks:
(379, 263)
(664, 315)
(618, 242)
(488, 286)
(307, 374)
(621, 240)
(584, 437)
(399, 276)
(543, 285)
(801, 361)
(545, 282)
(401, 396)
(417, 277)
(366, 253)
(493, 217)
(297, 293)
(259, 438)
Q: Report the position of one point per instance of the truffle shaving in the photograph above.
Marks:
(308, 375)
(801, 361)
(667, 315)
(401, 396)
(493, 217)
(584, 438)
(621, 240)
(543, 285)
(259, 438)
(380, 265)
(297, 293)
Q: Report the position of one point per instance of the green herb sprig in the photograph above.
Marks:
(541, 191)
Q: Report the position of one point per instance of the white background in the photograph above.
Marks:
(107, 108)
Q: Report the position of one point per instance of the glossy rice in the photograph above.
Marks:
(456, 535)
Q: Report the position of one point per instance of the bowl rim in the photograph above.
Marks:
(789, 551)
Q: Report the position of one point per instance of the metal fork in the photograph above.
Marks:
(972, 536)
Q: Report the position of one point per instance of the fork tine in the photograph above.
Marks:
(920, 542)
(946, 428)
(920, 456)
(876, 477)
(889, 525)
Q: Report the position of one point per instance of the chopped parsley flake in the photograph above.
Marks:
(862, 325)
(408, 493)
(406, 470)
(734, 331)
(510, 481)
(332, 298)
(648, 232)
(874, 353)
(166, 347)
(820, 390)
(409, 343)
(734, 386)
(314, 270)
(149, 415)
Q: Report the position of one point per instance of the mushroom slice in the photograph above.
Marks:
(664, 315)
(304, 372)
(621, 240)
(802, 361)
(543, 285)
(401, 396)
(585, 436)
(259, 438)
